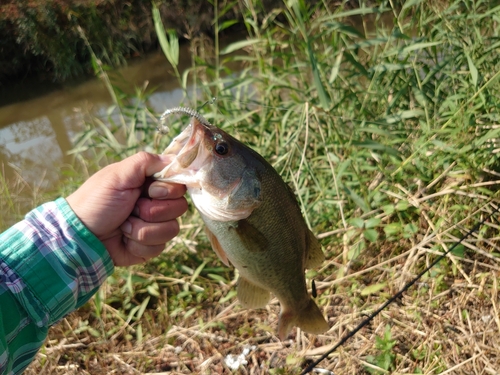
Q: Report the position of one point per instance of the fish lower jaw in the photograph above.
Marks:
(215, 209)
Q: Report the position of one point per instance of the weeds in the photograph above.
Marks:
(17, 195)
(388, 133)
(385, 359)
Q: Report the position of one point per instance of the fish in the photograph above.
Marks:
(252, 220)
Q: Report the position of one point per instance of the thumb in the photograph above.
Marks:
(133, 170)
(156, 162)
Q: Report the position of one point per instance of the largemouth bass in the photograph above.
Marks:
(252, 220)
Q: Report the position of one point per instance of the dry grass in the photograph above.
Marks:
(449, 323)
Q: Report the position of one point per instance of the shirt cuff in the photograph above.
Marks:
(52, 263)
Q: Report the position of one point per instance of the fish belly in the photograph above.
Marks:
(270, 268)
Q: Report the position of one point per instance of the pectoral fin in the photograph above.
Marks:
(315, 256)
(252, 239)
(217, 247)
(250, 295)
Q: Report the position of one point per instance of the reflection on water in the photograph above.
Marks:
(36, 134)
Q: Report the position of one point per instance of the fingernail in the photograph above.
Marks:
(126, 227)
(158, 192)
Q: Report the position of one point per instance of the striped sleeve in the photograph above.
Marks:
(50, 264)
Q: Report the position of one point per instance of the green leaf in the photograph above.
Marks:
(491, 134)
(357, 199)
(94, 332)
(472, 70)
(336, 67)
(372, 223)
(138, 333)
(357, 222)
(402, 205)
(388, 209)
(224, 25)
(410, 230)
(291, 359)
(422, 45)
(356, 250)
(142, 307)
(98, 304)
(371, 289)
(404, 115)
(345, 29)
(372, 145)
(389, 67)
(170, 46)
(358, 11)
(198, 271)
(392, 229)
(216, 277)
(352, 59)
(459, 251)
(371, 235)
(411, 3)
(239, 45)
(323, 97)
(153, 290)
(228, 296)
(189, 313)
(411, 48)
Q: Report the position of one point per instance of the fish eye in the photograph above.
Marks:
(221, 148)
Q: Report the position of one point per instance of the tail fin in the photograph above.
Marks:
(309, 319)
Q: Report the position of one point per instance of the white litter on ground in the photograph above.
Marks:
(235, 361)
(323, 371)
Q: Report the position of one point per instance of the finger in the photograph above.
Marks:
(148, 234)
(157, 211)
(132, 171)
(163, 190)
(126, 252)
(139, 253)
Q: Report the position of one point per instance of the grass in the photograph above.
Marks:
(389, 134)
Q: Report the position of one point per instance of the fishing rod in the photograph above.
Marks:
(397, 296)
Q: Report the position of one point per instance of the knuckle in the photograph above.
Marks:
(143, 234)
(146, 212)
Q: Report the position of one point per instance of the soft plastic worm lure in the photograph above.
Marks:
(163, 129)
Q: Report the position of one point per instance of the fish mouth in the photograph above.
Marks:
(190, 155)
(188, 137)
(216, 198)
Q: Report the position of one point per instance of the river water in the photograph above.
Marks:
(36, 134)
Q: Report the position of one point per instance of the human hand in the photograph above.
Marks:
(131, 215)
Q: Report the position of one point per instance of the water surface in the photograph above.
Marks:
(37, 133)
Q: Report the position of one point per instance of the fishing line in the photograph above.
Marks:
(211, 101)
(214, 99)
(398, 295)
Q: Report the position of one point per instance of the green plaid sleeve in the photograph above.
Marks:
(50, 264)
